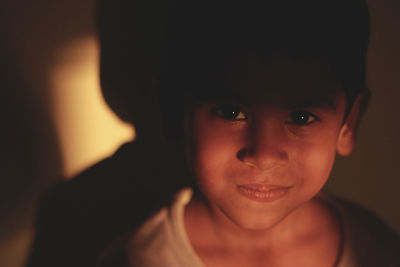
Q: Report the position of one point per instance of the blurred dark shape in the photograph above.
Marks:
(81, 217)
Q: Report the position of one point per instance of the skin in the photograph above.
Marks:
(259, 158)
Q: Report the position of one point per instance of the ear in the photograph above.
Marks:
(348, 133)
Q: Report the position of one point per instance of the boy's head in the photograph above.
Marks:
(271, 93)
(208, 46)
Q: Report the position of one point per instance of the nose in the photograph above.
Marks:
(265, 147)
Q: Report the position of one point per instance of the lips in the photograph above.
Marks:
(263, 193)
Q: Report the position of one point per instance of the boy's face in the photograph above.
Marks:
(267, 149)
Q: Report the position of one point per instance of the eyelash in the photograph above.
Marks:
(302, 118)
(231, 112)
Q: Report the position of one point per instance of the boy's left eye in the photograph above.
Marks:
(302, 118)
(230, 112)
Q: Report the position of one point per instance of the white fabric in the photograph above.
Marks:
(162, 241)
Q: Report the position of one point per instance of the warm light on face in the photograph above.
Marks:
(256, 161)
(88, 130)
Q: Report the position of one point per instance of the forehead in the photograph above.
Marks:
(280, 82)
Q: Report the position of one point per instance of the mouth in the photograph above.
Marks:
(263, 193)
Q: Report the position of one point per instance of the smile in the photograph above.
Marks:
(262, 193)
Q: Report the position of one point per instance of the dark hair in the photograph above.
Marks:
(190, 46)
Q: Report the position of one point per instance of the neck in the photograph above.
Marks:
(208, 226)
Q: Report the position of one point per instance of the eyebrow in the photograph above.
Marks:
(232, 97)
(325, 102)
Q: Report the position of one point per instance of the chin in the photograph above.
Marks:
(254, 221)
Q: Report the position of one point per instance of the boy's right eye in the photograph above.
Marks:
(230, 112)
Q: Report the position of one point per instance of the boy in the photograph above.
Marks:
(263, 97)
(271, 93)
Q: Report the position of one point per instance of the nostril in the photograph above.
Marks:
(283, 155)
(246, 155)
(243, 153)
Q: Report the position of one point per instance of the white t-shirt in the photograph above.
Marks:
(162, 241)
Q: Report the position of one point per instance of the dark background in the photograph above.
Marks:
(34, 154)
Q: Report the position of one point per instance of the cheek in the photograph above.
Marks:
(211, 152)
(213, 149)
(314, 163)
